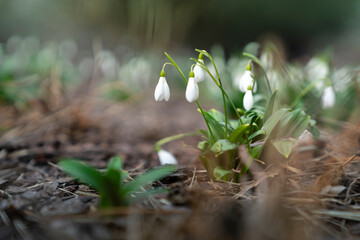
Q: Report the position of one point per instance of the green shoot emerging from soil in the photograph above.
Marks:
(115, 186)
(259, 128)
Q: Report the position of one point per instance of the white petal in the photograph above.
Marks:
(166, 158)
(162, 90)
(248, 101)
(246, 80)
(166, 90)
(192, 90)
(328, 97)
(199, 73)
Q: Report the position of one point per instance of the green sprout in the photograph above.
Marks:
(113, 185)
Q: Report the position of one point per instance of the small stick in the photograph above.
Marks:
(352, 158)
(193, 177)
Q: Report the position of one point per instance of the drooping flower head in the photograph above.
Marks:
(192, 89)
(199, 72)
(247, 79)
(248, 100)
(166, 158)
(328, 97)
(162, 90)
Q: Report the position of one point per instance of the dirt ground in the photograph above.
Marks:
(314, 195)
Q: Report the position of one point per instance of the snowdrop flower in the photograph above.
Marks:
(248, 100)
(166, 158)
(199, 72)
(247, 80)
(192, 89)
(328, 97)
(317, 69)
(162, 90)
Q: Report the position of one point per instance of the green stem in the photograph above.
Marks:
(226, 116)
(197, 102)
(173, 138)
(257, 60)
(218, 83)
(238, 115)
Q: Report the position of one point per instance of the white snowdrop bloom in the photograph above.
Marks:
(328, 97)
(248, 100)
(199, 72)
(317, 69)
(166, 158)
(192, 89)
(247, 80)
(162, 90)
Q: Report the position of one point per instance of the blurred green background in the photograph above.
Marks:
(163, 24)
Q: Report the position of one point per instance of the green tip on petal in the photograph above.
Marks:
(201, 56)
(191, 74)
(248, 67)
(162, 74)
(328, 82)
(249, 88)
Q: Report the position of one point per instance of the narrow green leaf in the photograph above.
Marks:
(257, 133)
(272, 106)
(236, 135)
(220, 173)
(147, 178)
(255, 152)
(217, 115)
(217, 128)
(270, 124)
(223, 145)
(84, 173)
(285, 146)
(146, 194)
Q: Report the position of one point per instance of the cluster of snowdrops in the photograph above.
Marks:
(259, 128)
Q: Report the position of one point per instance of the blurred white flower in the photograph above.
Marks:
(316, 69)
(199, 72)
(248, 101)
(192, 89)
(166, 158)
(162, 90)
(247, 80)
(328, 97)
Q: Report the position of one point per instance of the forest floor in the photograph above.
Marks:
(314, 195)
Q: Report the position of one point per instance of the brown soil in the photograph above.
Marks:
(297, 199)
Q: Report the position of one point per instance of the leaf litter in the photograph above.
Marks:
(314, 193)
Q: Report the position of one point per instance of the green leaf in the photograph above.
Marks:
(114, 172)
(217, 128)
(115, 163)
(285, 146)
(203, 145)
(270, 124)
(146, 194)
(237, 134)
(220, 173)
(257, 133)
(272, 106)
(84, 173)
(222, 145)
(255, 152)
(147, 178)
(217, 115)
